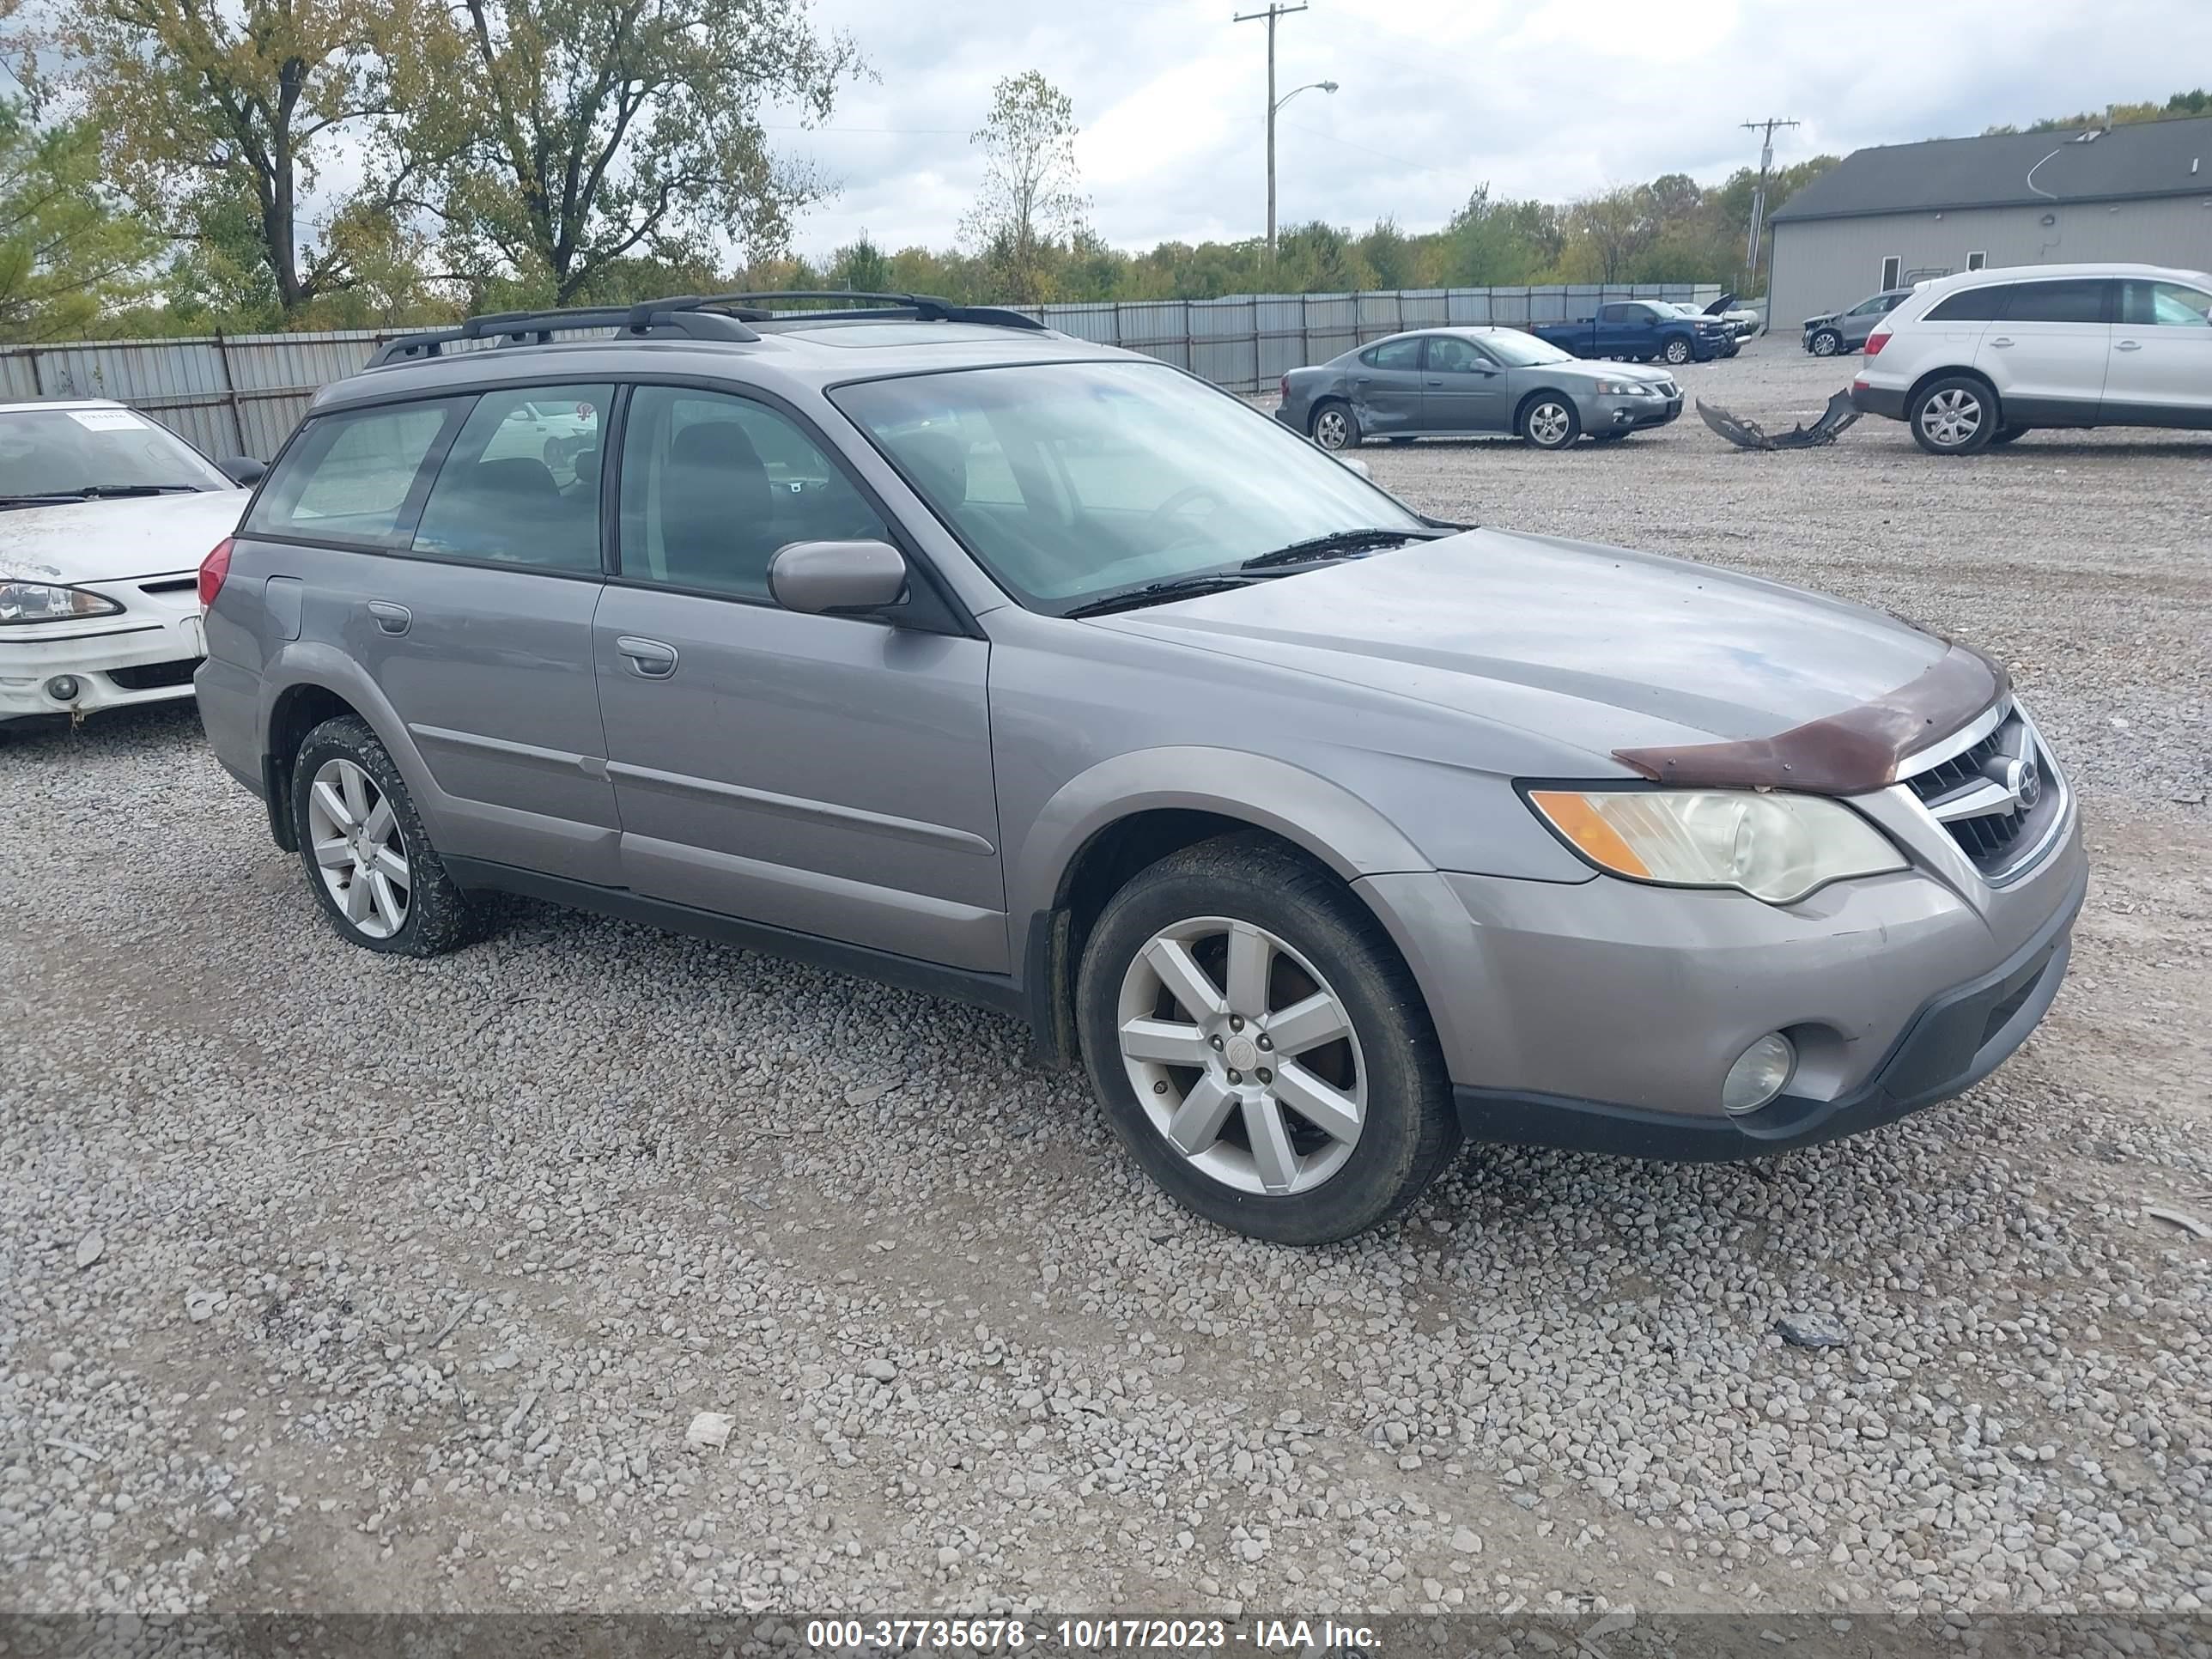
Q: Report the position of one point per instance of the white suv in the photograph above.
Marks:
(1978, 359)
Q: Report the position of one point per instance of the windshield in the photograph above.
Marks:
(1069, 480)
(59, 452)
(1519, 351)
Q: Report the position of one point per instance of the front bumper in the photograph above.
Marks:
(147, 654)
(1613, 413)
(1604, 1014)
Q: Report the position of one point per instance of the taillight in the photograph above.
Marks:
(1876, 341)
(213, 569)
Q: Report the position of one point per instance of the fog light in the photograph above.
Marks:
(1760, 1073)
(63, 688)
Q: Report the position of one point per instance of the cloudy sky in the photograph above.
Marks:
(1549, 98)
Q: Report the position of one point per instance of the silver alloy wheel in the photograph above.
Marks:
(359, 851)
(1678, 351)
(1244, 1058)
(1951, 417)
(1824, 345)
(1331, 429)
(1550, 424)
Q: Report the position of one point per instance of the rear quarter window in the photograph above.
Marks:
(1973, 305)
(352, 477)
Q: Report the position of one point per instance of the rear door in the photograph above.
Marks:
(1385, 387)
(2046, 353)
(2160, 370)
(828, 776)
(461, 574)
(1462, 389)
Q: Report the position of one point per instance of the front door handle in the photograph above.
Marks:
(390, 618)
(1436, 383)
(2129, 345)
(2000, 343)
(648, 657)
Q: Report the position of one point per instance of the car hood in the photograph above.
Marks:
(105, 541)
(1825, 317)
(1601, 369)
(1593, 647)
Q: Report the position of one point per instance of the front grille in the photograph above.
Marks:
(152, 676)
(1968, 795)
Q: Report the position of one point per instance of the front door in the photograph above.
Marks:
(830, 775)
(2160, 370)
(2046, 354)
(1385, 387)
(1462, 390)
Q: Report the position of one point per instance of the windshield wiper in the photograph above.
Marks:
(100, 491)
(1182, 587)
(1340, 541)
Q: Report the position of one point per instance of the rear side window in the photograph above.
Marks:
(352, 477)
(521, 484)
(1973, 305)
(1393, 354)
(2059, 302)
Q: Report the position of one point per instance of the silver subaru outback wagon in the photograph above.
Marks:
(930, 644)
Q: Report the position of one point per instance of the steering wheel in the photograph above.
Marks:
(1183, 498)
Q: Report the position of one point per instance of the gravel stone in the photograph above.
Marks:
(348, 1183)
(1812, 1331)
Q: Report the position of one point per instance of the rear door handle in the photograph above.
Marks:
(2129, 345)
(390, 618)
(2000, 343)
(648, 658)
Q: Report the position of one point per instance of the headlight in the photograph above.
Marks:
(38, 602)
(1623, 389)
(1775, 848)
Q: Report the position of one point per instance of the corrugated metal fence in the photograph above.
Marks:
(241, 394)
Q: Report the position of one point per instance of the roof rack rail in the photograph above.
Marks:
(700, 316)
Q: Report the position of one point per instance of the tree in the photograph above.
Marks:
(1607, 231)
(223, 115)
(1031, 196)
(67, 257)
(861, 266)
(555, 139)
(2181, 107)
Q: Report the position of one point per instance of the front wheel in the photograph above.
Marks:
(1335, 427)
(1827, 342)
(368, 858)
(1676, 350)
(1550, 421)
(1955, 415)
(1258, 1046)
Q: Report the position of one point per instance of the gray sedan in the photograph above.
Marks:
(1451, 382)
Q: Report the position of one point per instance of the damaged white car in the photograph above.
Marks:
(105, 516)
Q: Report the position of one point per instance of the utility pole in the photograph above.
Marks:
(1759, 195)
(1273, 11)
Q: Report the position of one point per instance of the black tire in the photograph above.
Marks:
(1409, 1131)
(1333, 435)
(1677, 352)
(1959, 404)
(1825, 343)
(2006, 435)
(1608, 437)
(1549, 420)
(438, 917)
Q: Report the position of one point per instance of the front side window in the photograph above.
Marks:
(349, 477)
(2164, 305)
(713, 486)
(1070, 481)
(1448, 355)
(62, 453)
(521, 484)
(1393, 354)
(2080, 301)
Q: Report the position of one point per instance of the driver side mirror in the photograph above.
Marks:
(837, 579)
(242, 469)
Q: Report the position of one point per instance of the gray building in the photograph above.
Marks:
(1901, 212)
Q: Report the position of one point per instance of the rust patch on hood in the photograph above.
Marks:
(1848, 754)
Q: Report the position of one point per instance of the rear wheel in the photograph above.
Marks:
(1335, 427)
(1549, 421)
(1954, 416)
(368, 858)
(1260, 1047)
(1827, 342)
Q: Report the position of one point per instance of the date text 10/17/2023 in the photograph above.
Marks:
(1309, 1638)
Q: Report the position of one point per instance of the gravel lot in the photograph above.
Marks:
(332, 1281)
